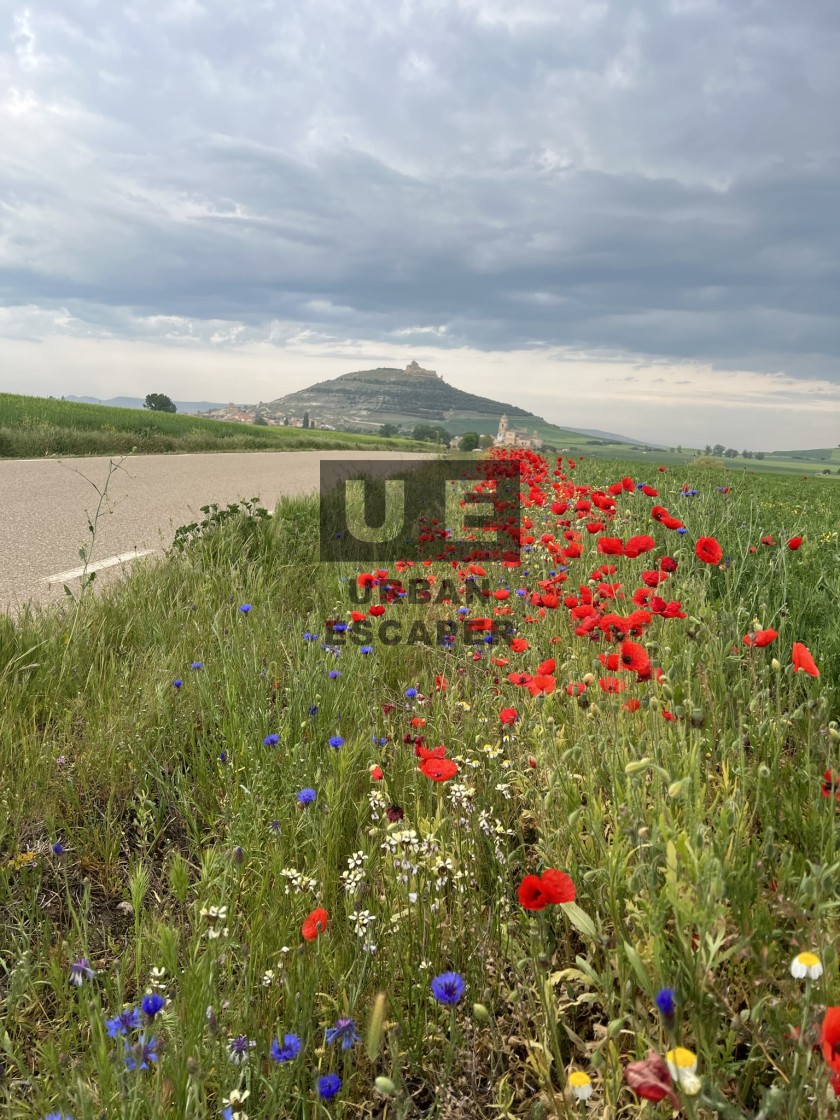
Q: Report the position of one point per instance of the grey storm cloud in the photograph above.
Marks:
(656, 180)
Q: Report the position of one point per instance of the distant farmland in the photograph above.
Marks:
(35, 427)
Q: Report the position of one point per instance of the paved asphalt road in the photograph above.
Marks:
(44, 508)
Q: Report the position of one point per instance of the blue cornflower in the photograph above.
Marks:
(138, 1055)
(271, 740)
(313, 709)
(307, 637)
(333, 674)
(665, 1002)
(197, 665)
(288, 1051)
(448, 987)
(641, 485)
(306, 796)
(223, 757)
(336, 741)
(58, 848)
(58, 1116)
(366, 649)
(463, 611)
(177, 683)
(682, 531)
(80, 971)
(127, 1021)
(239, 1047)
(344, 1032)
(378, 742)
(152, 1003)
(276, 827)
(339, 627)
(520, 591)
(245, 608)
(410, 693)
(328, 1086)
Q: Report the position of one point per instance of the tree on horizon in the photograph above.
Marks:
(159, 402)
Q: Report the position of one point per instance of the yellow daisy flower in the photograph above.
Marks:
(580, 1084)
(682, 1065)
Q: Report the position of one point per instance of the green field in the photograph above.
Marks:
(34, 427)
(695, 823)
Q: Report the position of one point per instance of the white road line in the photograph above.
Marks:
(111, 562)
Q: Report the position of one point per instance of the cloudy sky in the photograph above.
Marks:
(620, 215)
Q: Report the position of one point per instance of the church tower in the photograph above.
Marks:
(503, 427)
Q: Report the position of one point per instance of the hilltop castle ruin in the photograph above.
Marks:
(414, 370)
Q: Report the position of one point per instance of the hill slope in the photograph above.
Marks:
(369, 398)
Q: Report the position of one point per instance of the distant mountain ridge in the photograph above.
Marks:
(137, 402)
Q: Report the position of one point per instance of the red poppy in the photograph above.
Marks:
(831, 781)
(650, 1079)
(425, 752)
(631, 705)
(377, 610)
(314, 924)
(794, 543)
(518, 645)
(376, 774)
(653, 578)
(634, 657)
(612, 684)
(803, 661)
(508, 716)
(576, 688)
(558, 886)
(541, 685)
(521, 679)
(358, 616)
(708, 550)
(439, 769)
(760, 638)
(551, 888)
(546, 668)
(610, 546)
(441, 683)
(830, 1038)
(668, 564)
(637, 545)
(768, 542)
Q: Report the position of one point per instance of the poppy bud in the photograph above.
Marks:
(677, 789)
(481, 1013)
(532, 762)
(589, 678)
(385, 1086)
(776, 664)
(833, 734)
(637, 766)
